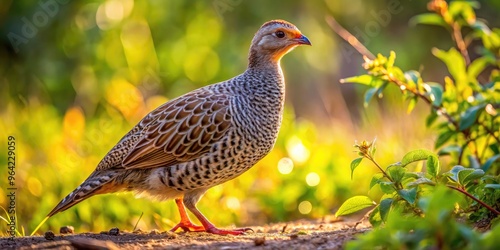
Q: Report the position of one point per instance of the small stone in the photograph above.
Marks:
(67, 230)
(260, 241)
(294, 236)
(114, 231)
(49, 235)
(155, 232)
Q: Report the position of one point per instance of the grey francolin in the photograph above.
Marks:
(203, 138)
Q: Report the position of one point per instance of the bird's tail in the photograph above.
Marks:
(93, 185)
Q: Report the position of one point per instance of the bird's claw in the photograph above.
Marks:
(188, 227)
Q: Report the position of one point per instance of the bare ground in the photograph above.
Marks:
(319, 234)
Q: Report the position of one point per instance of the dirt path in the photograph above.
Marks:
(299, 234)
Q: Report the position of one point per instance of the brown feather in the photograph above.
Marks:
(179, 138)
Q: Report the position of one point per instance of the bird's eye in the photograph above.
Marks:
(280, 34)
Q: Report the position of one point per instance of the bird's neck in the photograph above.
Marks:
(262, 61)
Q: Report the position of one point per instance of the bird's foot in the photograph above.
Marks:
(187, 226)
(237, 231)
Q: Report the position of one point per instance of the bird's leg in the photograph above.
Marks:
(185, 223)
(209, 227)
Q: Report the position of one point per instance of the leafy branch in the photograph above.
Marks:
(470, 129)
(476, 103)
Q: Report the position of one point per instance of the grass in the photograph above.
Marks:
(8, 221)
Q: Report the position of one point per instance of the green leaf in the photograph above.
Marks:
(420, 181)
(440, 205)
(375, 218)
(384, 207)
(454, 172)
(443, 138)
(409, 195)
(354, 164)
(462, 9)
(455, 64)
(467, 233)
(473, 163)
(412, 76)
(369, 95)
(468, 118)
(396, 173)
(492, 186)
(376, 179)
(486, 166)
(436, 93)
(416, 155)
(362, 79)
(450, 149)
(412, 104)
(433, 166)
(431, 118)
(477, 66)
(387, 187)
(390, 60)
(354, 204)
(481, 26)
(428, 18)
(467, 175)
(412, 175)
(495, 148)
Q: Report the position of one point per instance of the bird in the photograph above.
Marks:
(203, 138)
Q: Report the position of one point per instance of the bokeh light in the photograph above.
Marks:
(285, 165)
(296, 150)
(305, 207)
(233, 203)
(312, 179)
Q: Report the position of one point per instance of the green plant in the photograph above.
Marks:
(13, 230)
(437, 230)
(404, 189)
(463, 114)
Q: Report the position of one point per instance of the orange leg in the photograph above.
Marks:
(210, 228)
(185, 223)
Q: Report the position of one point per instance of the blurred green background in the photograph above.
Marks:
(75, 76)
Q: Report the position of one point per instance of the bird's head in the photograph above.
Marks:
(273, 40)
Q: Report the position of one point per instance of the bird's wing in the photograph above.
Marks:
(176, 132)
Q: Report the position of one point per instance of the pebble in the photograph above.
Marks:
(49, 235)
(260, 241)
(67, 230)
(114, 231)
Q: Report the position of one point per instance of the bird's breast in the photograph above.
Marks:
(258, 116)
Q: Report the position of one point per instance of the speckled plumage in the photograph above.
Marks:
(203, 138)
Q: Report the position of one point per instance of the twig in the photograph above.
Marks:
(491, 132)
(353, 41)
(138, 221)
(475, 199)
(348, 37)
(438, 109)
(379, 167)
(457, 37)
